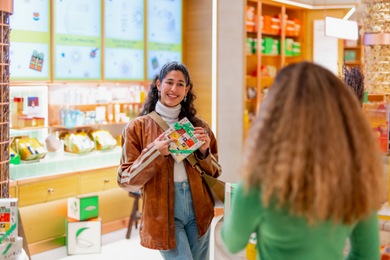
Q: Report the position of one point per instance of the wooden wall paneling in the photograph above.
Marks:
(197, 51)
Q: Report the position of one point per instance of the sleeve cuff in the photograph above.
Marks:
(199, 155)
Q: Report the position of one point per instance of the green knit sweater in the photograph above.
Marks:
(281, 236)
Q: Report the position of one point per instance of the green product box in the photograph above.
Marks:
(349, 55)
(276, 47)
(289, 47)
(248, 45)
(297, 49)
(268, 45)
(15, 159)
(229, 191)
(254, 46)
(83, 207)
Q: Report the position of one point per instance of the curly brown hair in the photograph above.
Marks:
(312, 149)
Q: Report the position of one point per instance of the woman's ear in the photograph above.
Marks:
(158, 83)
(188, 89)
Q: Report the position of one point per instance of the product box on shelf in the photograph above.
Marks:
(297, 23)
(275, 25)
(250, 19)
(83, 237)
(83, 207)
(297, 49)
(289, 47)
(271, 46)
(267, 23)
(248, 45)
(186, 143)
(349, 55)
(229, 191)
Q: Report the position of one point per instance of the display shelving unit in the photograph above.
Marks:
(359, 49)
(255, 61)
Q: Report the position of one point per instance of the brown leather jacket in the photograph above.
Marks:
(143, 167)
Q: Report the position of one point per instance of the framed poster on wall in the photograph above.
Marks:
(164, 34)
(77, 40)
(30, 41)
(124, 40)
(325, 49)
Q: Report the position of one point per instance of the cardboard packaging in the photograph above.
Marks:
(83, 237)
(183, 132)
(83, 207)
(9, 218)
(229, 191)
(250, 19)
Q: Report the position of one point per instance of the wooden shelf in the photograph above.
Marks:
(28, 128)
(353, 47)
(270, 55)
(270, 34)
(353, 62)
(251, 100)
(251, 54)
(250, 77)
(84, 126)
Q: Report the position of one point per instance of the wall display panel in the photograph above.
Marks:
(124, 40)
(77, 39)
(30, 41)
(164, 33)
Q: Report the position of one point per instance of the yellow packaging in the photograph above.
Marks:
(103, 140)
(78, 143)
(251, 252)
(30, 149)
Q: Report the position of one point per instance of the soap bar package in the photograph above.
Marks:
(186, 143)
(83, 207)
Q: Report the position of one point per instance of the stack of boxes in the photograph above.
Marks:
(83, 225)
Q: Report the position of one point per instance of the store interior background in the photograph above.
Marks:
(213, 47)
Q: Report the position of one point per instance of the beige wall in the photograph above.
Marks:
(197, 33)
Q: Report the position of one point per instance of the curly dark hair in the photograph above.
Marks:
(187, 107)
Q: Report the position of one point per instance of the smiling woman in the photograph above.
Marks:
(168, 187)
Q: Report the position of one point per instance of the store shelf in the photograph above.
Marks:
(353, 62)
(270, 55)
(251, 100)
(352, 47)
(270, 34)
(85, 126)
(251, 54)
(61, 163)
(250, 77)
(28, 128)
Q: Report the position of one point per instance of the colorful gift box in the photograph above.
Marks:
(83, 207)
(11, 250)
(30, 149)
(186, 143)
(83, 237)
(8, 220)
(297, 49)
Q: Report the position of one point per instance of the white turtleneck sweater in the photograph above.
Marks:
(171, 116)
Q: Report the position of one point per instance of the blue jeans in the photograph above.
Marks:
(186, 231)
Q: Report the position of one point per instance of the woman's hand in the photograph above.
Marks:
(163, 146)
(202, 135)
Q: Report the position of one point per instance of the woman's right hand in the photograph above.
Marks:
(163, 146)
